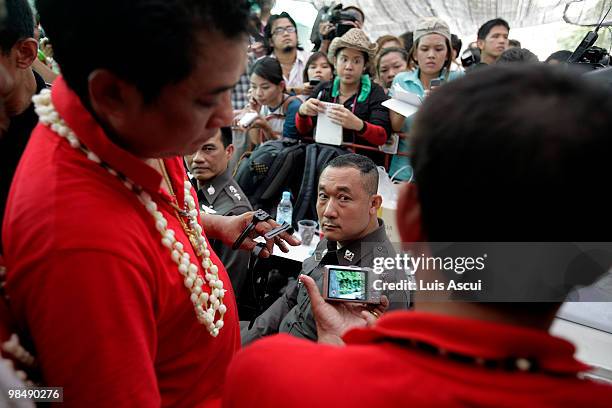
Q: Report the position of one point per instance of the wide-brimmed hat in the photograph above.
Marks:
(431, 25)
(355, 39)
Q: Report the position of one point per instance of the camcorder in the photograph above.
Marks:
(350, 284)
(338, 17)
(470, 57)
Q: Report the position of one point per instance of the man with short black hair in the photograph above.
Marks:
(18, 51)
(281, 41)
(492, 40)
(547, 132)
(522, 55)
(357, 13)
(218, 193)
(558, 57)
(514, 44)
(131, 306)
(347, 207)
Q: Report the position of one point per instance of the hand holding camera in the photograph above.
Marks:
(336, 317)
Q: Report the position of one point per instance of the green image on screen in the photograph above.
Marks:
(350, 285)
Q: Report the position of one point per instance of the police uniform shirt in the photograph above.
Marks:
(223, 196)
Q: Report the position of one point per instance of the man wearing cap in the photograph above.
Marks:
(432, 53)
(363, 118)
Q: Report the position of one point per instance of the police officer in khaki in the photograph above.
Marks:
(218, 193)
(347, 207)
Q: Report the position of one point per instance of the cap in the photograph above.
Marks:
(431, 25)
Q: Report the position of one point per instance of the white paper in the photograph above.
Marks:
(327, 131)
(391, 146)
(403, 102)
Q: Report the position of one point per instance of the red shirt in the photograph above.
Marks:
(379, 368)
(90, 283)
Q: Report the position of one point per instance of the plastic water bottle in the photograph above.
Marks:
(284, 211)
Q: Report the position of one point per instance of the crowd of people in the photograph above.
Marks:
(119, 273)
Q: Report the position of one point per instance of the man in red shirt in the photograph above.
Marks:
(502, 156)
(110, 277)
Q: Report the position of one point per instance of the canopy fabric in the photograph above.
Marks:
(465, 16)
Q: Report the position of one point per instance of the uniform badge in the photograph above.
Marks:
(211, 190)
(348, 255)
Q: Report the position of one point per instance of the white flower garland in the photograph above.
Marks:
(205, 305)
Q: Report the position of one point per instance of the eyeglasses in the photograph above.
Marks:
(281, 30)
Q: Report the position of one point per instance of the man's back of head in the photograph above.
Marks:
(17, 25)
(513, 158)
(170, 30)
(18, 50)
(515, 54)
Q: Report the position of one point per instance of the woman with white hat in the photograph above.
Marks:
(432, 54)
(364, 120)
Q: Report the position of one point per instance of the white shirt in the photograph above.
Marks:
(296, 76)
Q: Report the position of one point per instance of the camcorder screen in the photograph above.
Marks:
(348, 285)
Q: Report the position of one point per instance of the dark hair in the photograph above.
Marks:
(18, 24)
(226, 136)
(386, 38)
(357, 9)
(456, 43)
(313, 58)
(168, 28)
(269, 69)
(486, 28)
(514, 43)
(365, 165)
(390, 50)
(517, 55)
(531, 137)
(407, 40)
(561, 56)
(268, 30)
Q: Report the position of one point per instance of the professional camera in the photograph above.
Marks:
(470, 56)
(596, 56)
(350, 284)
(338, 18)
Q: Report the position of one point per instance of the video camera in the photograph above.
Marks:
(587, 53)
(336, 16)
(470, 57)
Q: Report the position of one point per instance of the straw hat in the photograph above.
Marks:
(355, 39)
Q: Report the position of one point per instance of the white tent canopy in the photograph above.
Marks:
(465, 16)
